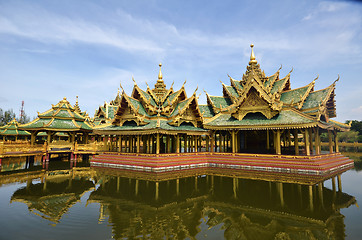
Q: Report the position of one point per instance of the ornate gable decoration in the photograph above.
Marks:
(143, 107)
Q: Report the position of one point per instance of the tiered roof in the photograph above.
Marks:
(105, 114)
(12, 129)
(156, 110)
(61, 117)
(260, 102)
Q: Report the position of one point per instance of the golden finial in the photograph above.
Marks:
(315, 79)
(252, 56)
(134, 81)
(336, 80)
(160, 73)
(76, 99)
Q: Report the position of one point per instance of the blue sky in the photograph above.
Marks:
(55, 49)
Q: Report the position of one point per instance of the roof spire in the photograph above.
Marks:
(160, 73)
(252, 56)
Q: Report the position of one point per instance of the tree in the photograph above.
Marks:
(24, 119)
(357, 126)
(350, 136)
(6, 117)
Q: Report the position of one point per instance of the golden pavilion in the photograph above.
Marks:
(257, 114)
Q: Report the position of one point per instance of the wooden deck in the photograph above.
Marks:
(305, 167)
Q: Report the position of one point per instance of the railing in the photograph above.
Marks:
(7, 148)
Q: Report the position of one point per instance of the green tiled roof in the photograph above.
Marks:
(293, 95)
(60, 119)
(315, 99)
(277, 85)
(257, 119)
(180, 105)
(170, 98)
(153, 125)
(12, 129)
(232, 91)
(225, 102)
(149, 97)
(207, 110)
(270, 79)
(136, 104)
(237, 84)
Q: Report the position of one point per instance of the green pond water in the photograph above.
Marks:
(87, 203)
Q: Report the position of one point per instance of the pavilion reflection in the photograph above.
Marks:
(245, 208)
(57, 192)
(184, 204)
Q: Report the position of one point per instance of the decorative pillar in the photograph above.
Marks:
(136, 187)
(316, 142)
(177, 143)
(311, 207)
(339, 183)
(157, 145)
(296, 142)
(336, 142)
(177, 186)
(267, 140)
(320, 191)
(120, 143)
(281, 194)
(32, 138)
(221, 142)
(212, 142)
(233, 141)
(138, 143)
(306, 142)
(310, 140)
(235, 187)
(330, 141)
(156, 192)
(278, 145)
(196, 143)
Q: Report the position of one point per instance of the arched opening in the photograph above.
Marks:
(130, 123)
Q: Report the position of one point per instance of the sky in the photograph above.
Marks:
(55, 49)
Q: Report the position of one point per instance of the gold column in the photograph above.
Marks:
(289, 138)
(221, 142)
(167, 150)
(339, 183)
(281, 194)
(267, 140)
(306, 142)
(136, 187)
(196, 143)
(296, 142)
(320, 191)
(235, 187)
(336, 142)
(32, 138)
(120, 143)
(157, 145)
(49, 137)
(310, 198)
(156, 193)
(177, 143)
(207, 143)
(310, 140)
(138, 143)
(233, 141)
(177, 187)
(212, 142)
(316, 142)
(278, 145)
(330, 140)
(196, 183)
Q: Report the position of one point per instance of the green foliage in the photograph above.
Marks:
(350, 136)
(6, 116)
(324, 137)
(357, 126)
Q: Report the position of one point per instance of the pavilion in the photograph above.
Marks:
(61, 118)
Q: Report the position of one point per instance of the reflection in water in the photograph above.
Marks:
(186, 207)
